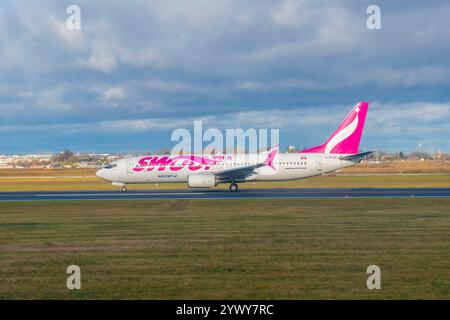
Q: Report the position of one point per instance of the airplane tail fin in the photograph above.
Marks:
(347, 136)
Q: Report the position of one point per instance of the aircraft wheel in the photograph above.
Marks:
(233, 187)
(124, 189)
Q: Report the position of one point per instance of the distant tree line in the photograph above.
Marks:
(65, 156)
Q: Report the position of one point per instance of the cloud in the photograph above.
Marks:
(114, 93)
(408, 117)
(291, 13)
(230, 62)
(102, 61)
(52, 99)
(389, 126)
(72, 38)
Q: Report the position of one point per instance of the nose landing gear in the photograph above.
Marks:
(233, 187)
(120, 184)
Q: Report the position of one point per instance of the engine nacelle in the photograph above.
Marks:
(202, 180)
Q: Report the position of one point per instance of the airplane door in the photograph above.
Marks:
(319, 164)
(130, 165)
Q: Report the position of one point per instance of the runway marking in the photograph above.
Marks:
(236, 198)
(116, 194)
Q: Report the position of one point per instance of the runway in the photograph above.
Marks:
(300, 193)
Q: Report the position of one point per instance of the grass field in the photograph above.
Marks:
(272, 249)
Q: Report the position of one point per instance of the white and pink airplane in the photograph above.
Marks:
(206, 171)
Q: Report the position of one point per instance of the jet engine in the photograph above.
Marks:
(202, 180)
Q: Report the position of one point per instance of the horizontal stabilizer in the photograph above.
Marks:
(357, 156)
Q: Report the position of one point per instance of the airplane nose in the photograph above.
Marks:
(101, 174)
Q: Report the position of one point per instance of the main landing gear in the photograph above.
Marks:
(233, 187)
(124, 189)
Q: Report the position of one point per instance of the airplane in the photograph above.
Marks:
(206, 171)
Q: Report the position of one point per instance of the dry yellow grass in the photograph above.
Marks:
(430, 174)
(400, 167)
(46, 172)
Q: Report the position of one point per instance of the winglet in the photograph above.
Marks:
(271, 157)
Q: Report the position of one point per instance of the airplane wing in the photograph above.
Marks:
(237, 174)
(242, 173)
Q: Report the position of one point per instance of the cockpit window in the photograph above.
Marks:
(110, 166)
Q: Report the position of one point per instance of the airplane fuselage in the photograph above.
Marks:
(171, 168)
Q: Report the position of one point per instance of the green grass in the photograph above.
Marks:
(51, 183)
(265, 249)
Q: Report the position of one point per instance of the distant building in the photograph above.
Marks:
(291, 149)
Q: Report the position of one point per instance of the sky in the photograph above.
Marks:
(137, 70)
